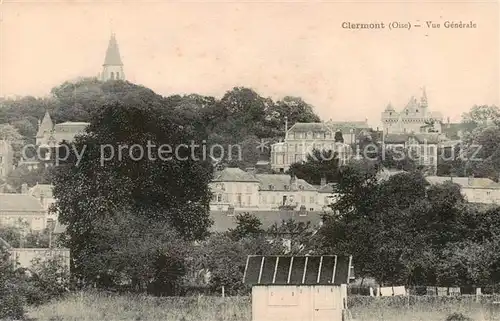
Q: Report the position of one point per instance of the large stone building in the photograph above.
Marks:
(240, 190)
(414, 118)
(302, 138)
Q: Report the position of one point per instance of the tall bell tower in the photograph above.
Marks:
(112, 69)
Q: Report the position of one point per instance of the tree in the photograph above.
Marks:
(338, 137)
(246, 225)
(297, 234)
(481, 114)
(226, 258)
(161, 187)
(12, 301)
(319, 164)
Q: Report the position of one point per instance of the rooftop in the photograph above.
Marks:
(467, 182)
(19, 203)
(230, 174)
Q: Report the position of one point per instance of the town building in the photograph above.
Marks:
(475, 190)
(240, 190)
(23, 211)
(6, 159)
(51, 135)
(43, 193)
(416, 117)
(422, 148)
(302, 138)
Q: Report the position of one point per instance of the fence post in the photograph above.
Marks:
(478, 294)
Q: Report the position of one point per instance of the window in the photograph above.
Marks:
(264, 199)
(117, 75)
(273, 200)
(112, 75)
(271, 187)
(249, 189)
(312, 200)
(302, 199)
(249, 200)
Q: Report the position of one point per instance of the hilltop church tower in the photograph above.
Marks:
(112, 69)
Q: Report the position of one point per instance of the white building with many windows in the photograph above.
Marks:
(302, 138)
(233, 188)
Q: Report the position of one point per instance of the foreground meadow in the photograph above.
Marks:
(101, 306)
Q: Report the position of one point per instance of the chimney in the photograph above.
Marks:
(323, 181)
(41, 197)
(24, 188)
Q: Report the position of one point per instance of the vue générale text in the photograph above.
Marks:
(430, 24)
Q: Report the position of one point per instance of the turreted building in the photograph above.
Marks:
(414, 118)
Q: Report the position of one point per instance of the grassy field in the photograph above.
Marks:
(101, 306)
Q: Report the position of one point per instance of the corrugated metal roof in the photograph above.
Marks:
(297, 270)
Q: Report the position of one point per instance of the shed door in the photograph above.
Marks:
(327, 303)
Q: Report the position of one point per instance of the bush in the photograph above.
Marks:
(50, 280)
(458, 317)
(12, 300)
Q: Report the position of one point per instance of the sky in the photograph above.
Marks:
(276, 48)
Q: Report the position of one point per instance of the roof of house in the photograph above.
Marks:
(46, 125)
(279, 181)
(454, 130)
(309, 127)
(345, 125)
(224, 222)
(235, 174)
(396, 138)
(401, 138)
(70, 126)
(59, 228)
(386, 173)
(468, 182)
(113, 53)
(19, 203)
(39, 190)
(327, 188)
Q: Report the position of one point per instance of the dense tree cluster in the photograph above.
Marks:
(404, 231)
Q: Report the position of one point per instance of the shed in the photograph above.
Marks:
(298, 288)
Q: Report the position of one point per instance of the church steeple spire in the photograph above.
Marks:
(423, 99)
(113, 65)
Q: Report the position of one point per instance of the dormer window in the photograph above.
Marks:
(301, 187)
(287, 187)
(271, 187)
